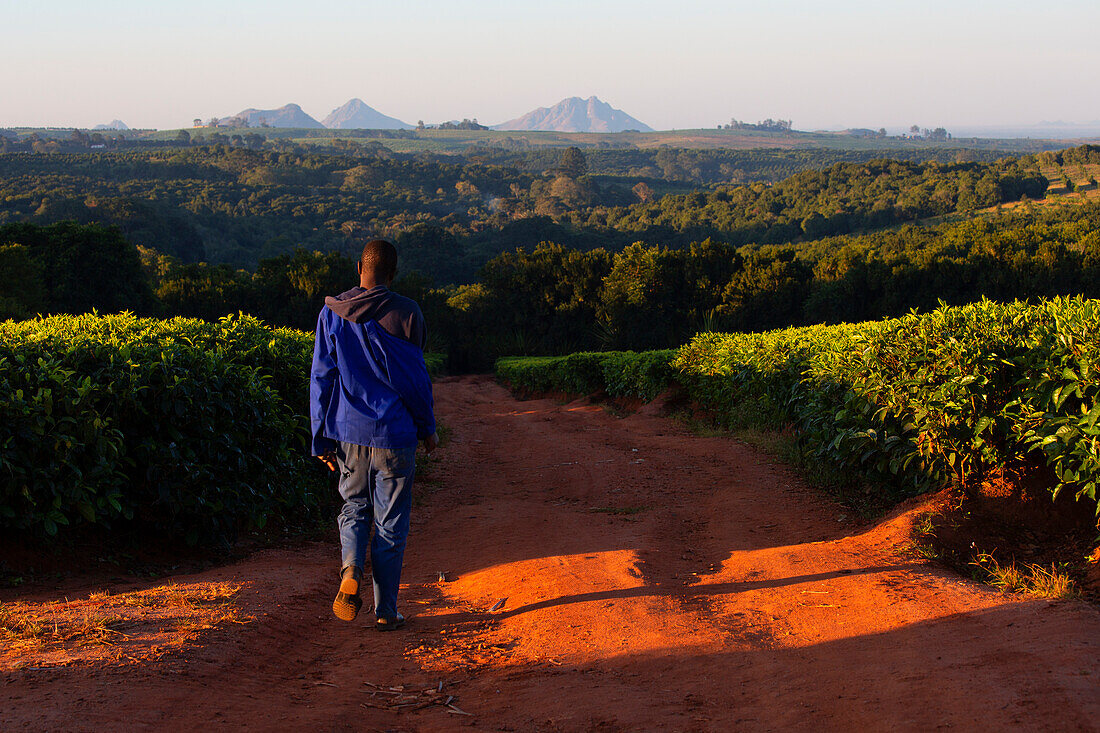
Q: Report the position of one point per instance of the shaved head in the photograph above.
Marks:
(379, 259)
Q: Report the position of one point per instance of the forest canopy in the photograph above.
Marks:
(510, 261)
(451, 214)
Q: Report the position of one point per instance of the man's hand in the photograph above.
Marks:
(430, 443)
(329, 459)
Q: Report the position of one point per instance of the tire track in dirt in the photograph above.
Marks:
(654, 580)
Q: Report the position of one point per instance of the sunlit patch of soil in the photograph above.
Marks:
(130, 627)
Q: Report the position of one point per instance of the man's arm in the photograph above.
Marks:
(423, 411)
(408, 376)
(416, 394)
(322, 381)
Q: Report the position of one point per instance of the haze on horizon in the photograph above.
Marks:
(694, 63)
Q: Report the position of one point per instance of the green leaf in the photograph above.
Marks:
(86, 510)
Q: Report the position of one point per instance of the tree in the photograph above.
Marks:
(21, 285)
(427, 249)
(571, 192)
(643, 192)
(84, 267)
(573, 162)
(183, 137)
(539, 302)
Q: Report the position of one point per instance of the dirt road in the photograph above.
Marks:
(653, 580)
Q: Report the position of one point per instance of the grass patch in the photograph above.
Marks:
(922, 544)
(1032, 579)
(171, 614)
(1006, 533)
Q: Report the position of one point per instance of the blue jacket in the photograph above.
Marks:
(369, 384)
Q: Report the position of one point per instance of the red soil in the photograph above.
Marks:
(653, 580)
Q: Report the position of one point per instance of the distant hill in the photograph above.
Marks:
(357, 115)
(576, 115)
(113, 125)
(290, 115)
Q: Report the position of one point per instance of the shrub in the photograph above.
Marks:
(929, 398)
(435, 362)
(618, 373)
(924, 399)
(188, 427)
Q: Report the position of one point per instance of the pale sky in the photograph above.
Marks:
(688, 63)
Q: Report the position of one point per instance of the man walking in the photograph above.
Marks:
(370, 404)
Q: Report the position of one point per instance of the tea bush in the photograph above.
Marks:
(435, 362)
(929, 398)
(192, 428)
(618, 373)
(923, 399)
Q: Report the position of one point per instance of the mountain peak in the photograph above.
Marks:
(289, 115)
(574, 114)
(357, 114)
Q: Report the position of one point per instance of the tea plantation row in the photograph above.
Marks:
(192, 430)
(923, 399)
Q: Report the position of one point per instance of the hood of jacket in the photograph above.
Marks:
(360, 305)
